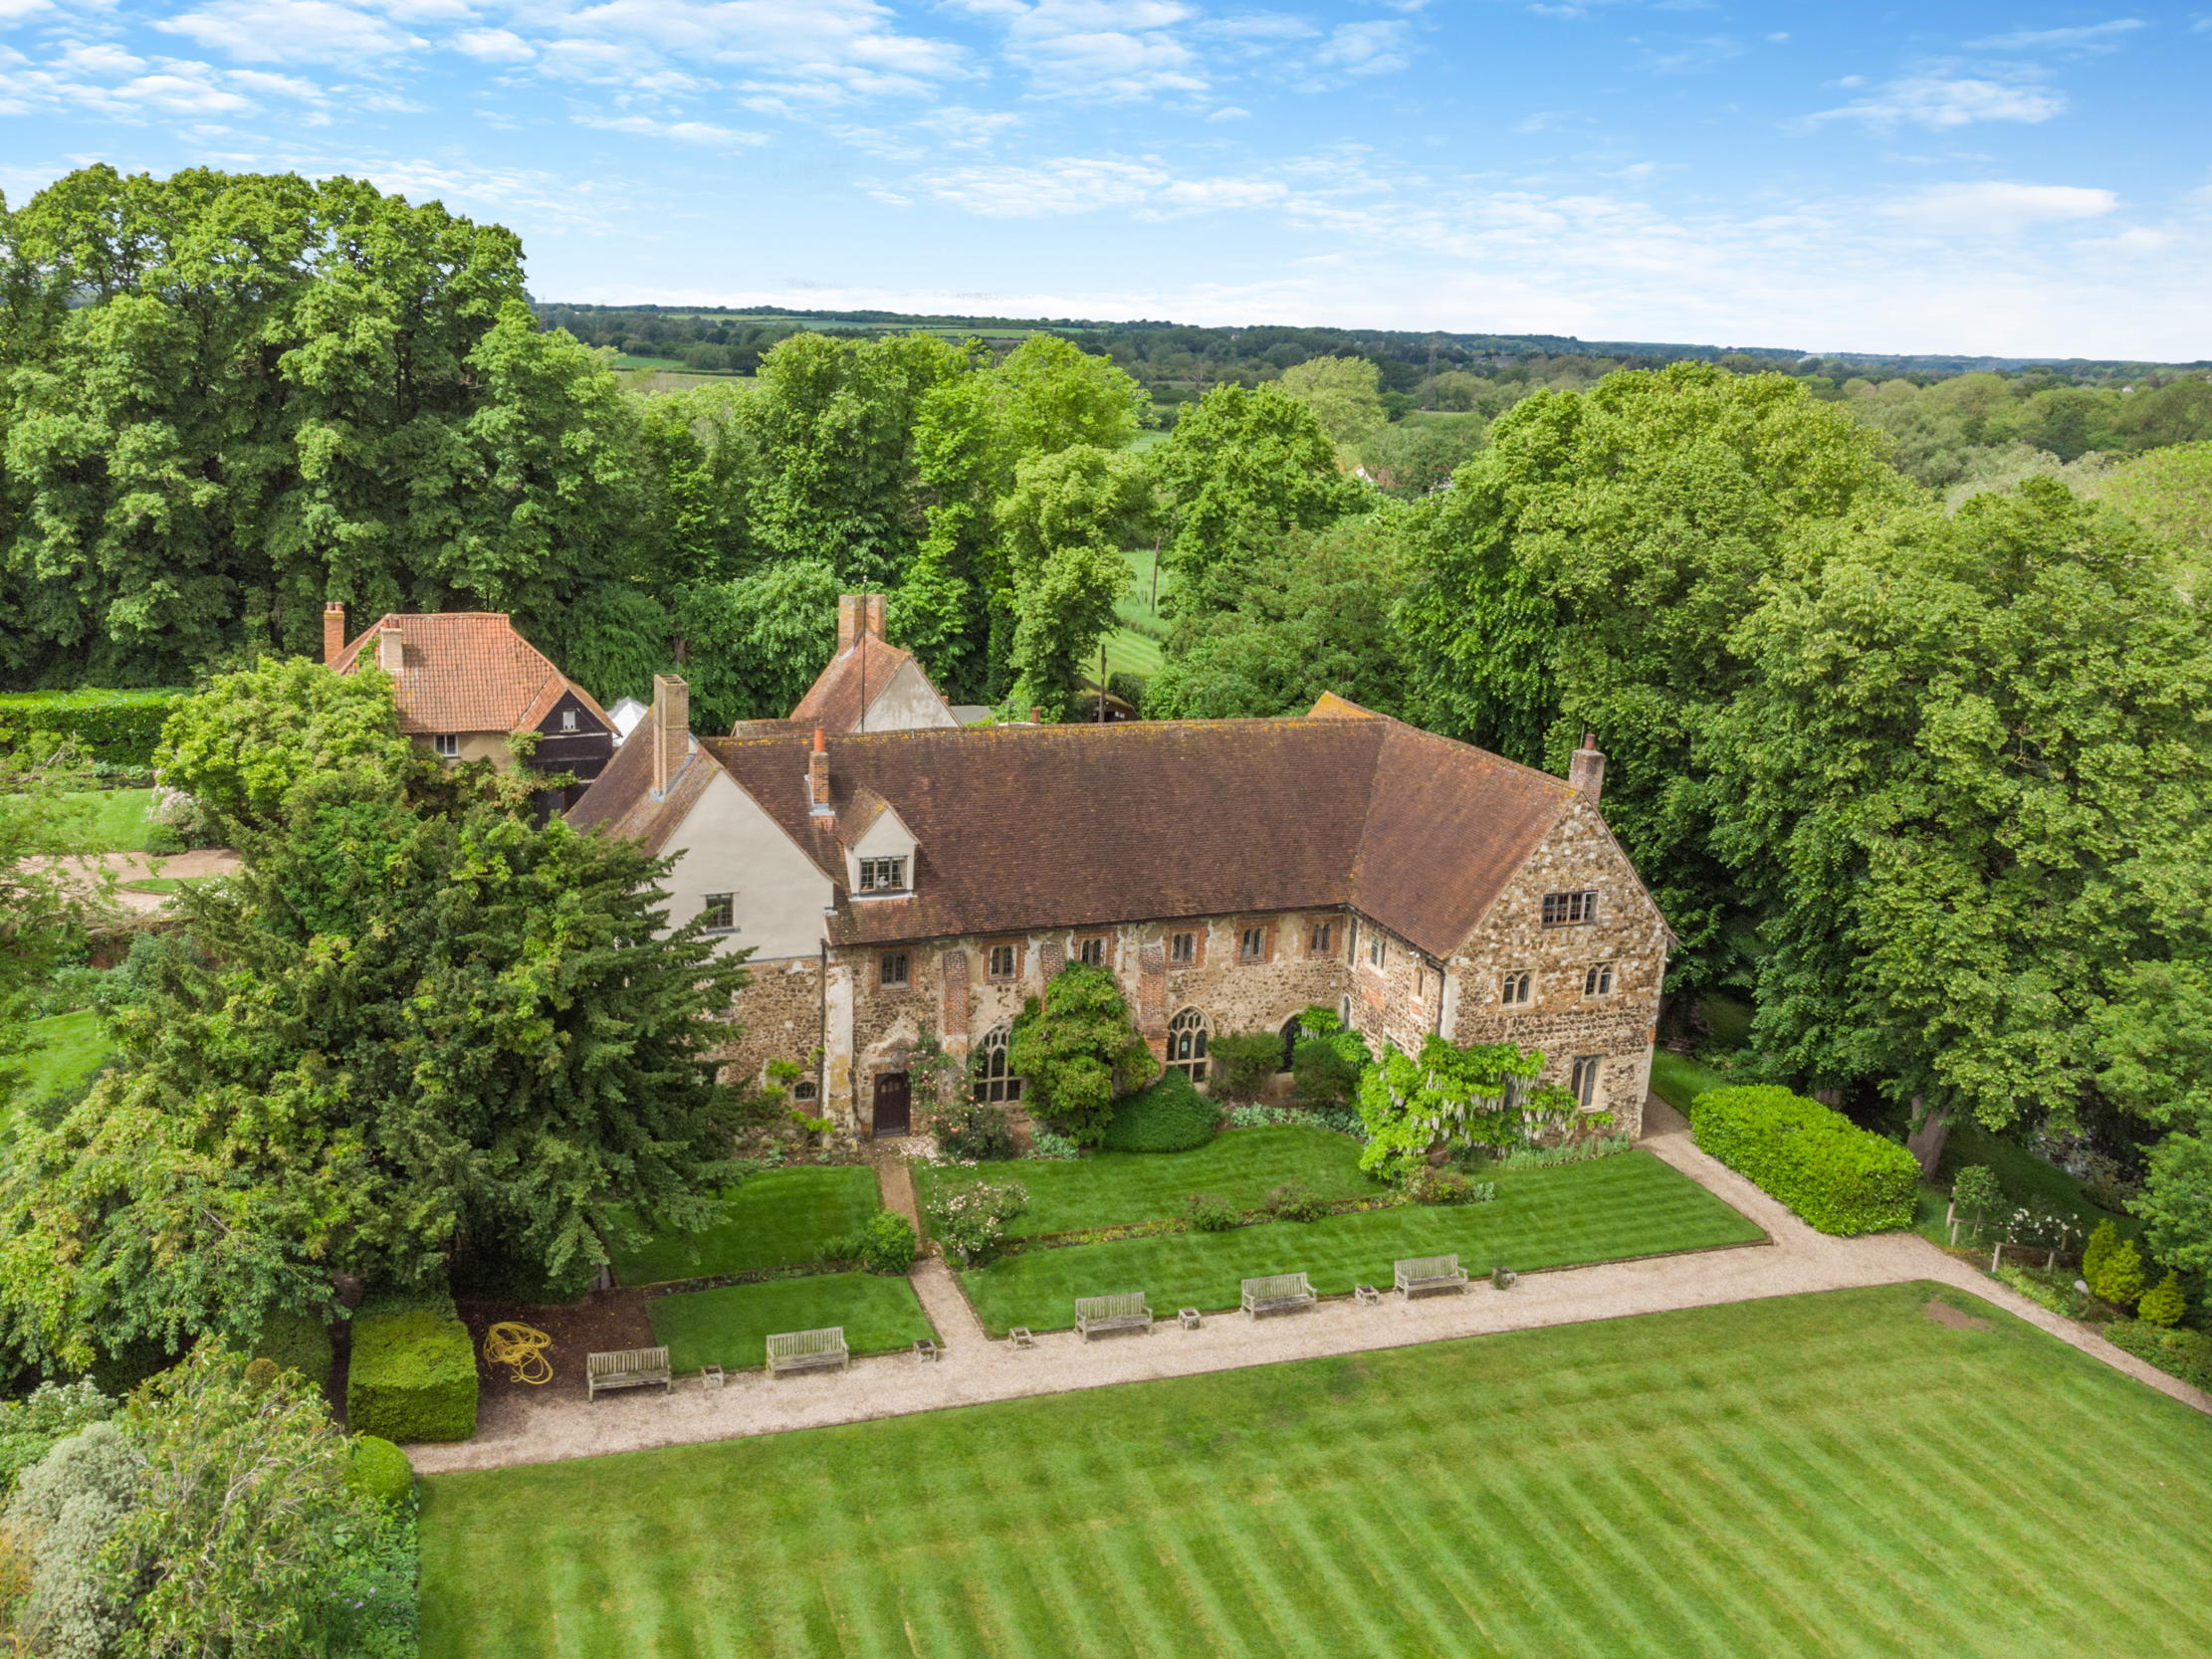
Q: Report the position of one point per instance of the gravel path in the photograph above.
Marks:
(976, 1371)
(204, 861)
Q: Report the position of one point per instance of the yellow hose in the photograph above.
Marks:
(522, 1348)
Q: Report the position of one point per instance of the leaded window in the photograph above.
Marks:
(1187, 1044)
(993, 1081)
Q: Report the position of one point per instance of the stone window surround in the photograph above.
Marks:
(1330, 941)
(1021, 951)
(1197, 936)
(901, 961)
(1598, 980)
(1245, 956)
(1106, 939)
(1518, 980)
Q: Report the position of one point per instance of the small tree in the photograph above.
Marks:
(1243, 1063)
(1077, 1050)
(2103, 1240)
(1975, 1192)
(1328, 1058)
(2164, 1303)
(2119, 1276)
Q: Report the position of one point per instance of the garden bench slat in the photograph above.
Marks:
(1278, 1292)
(807, 1350)
(1416, 1275)
(626, 1368)
(1126, 1312)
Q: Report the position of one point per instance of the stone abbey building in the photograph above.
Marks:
(896, 874)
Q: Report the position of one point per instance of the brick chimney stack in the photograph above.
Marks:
(1586, 771)
(389, 656)
(818, 777)
(848, 621)
(671, 718)
(874, 608)
(334, 632)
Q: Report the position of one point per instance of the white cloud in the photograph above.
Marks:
(1940, 102)
(965, 129)
(1364, 48)
(2092, 36)
(1228, 112)
(820, 49)
(290, 31)
(1993, 207)
(1080, 184)
(494, 46)
(1107, 51)
(703, 133)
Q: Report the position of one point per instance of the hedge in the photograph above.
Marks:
(1169, 1115)
(295, 1342)
(413, 1371)
(1833, 1175)
(118, 728)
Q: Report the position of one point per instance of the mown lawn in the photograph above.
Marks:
(114, 820)
(1835, 1474)
(777, 1219)
(730, 1326)
(64, 1049)
(1677, 1078)
(1629, 1204)
(1107, 1189)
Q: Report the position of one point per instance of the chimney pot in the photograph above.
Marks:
(334, 632)
(671, 718)
(390, 655)
(817, 776)
(1586, 771)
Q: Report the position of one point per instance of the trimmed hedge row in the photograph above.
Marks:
(295, 1342)
(1169, 1115)
(1832, 1174)
(413, 1371)
(119, 728)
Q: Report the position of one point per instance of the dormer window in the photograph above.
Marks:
(883, 875)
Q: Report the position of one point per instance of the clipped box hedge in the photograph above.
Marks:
(1168, 1115)
(413, 1371)
(118, 728)
(1832, 1174)
(295, 1342)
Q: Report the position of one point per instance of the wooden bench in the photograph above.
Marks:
(1278, 1293)
(628, 1367)
(807, 1351)
(1419, 1275)
(1126, 1312)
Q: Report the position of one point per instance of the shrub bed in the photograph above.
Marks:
(1833, 1175)
(2184, 1354)
(413, 1371)
(1169, 1115)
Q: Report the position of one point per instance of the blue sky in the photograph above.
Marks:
(2029, 179)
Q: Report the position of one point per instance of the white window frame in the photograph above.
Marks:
(567, 720)
(446, 745)
(883, 875)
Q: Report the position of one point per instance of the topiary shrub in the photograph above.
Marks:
(1169, 1115)
(379, 1470)
(295, 1342)
(413, 1371)
(1206, 1214)
(1245, 1065)
(1833, 1175)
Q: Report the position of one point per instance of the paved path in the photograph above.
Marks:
(974, 1370)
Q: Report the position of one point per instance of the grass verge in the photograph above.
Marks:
(1840, 1475)
(114, 820)
(1111, 1190)
(777, 1219)
(730, 1326)
(1677, 1078)
(1630, 1204)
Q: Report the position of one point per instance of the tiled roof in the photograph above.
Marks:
(1024, 827)
(467, 671)
(621, 797)
(856, 677)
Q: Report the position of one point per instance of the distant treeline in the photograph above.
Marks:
(1178, 363)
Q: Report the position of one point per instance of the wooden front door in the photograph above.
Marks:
(893, 1114)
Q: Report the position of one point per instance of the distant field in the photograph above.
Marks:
(1897, 1473)
(649, 381)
